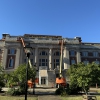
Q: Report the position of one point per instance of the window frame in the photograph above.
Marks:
(11, 51)
(43, 62)
(72, 61)
(85, 53)
(56, 63)
(57, 53)
(95, 54)
(72, 52)
(97, 62)
(85, 62)
(43, 80)
(43, 53)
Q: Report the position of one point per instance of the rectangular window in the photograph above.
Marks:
(42, 62)
(56, 63)
(95, 54)
(11, 61)
(57, 53)
(97, 62)
(85, 53)
(12, 51)
(72, 53)
(43, 80)
(86, 62)
(57, 60)
(72, 61)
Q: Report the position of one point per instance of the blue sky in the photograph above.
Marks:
(68, 18)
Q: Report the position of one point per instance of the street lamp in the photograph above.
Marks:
(27, 49)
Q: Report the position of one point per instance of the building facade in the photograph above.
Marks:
(46, 54)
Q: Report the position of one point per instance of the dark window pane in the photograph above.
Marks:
(43, 60)
(43, 52)
(57, 60)
(43, 64)
(72, 52)
(12, 51)
(11, 61)
(57, 53)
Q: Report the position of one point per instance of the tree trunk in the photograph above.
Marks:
(96, 85)
(33, 81)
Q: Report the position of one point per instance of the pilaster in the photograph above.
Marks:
(78, 56)
(5, 57)
(36, 56)
(17, 60)
(50, 58)
(66, 58)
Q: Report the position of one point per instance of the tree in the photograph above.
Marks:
(1, 77)
(18, 77)
(83, 76)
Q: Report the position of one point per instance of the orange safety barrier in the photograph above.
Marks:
(30, 83)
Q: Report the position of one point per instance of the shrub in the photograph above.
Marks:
(13, 92)
(1, 85)
(73, 90)
(61, 91)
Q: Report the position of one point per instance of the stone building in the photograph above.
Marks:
(46, 54)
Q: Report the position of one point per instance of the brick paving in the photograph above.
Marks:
(48, 97)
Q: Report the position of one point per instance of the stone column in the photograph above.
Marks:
(50, 58)
(18, 57)
(36, 56)
(66, 58)
(78, 56)
(39, 78)
(5, 57)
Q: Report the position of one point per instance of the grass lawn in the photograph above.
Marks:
(76, 98)
(16, 98)
(72, 98)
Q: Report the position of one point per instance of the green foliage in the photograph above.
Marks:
(83, 76)
(18, 77)
(13, 92)
(1, 77)
(61, 91)
(21, 72)
(73, 90)
(11, 79)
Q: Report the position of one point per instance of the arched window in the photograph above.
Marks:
(43, 53)
(57, 53)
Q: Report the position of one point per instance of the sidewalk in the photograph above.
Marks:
(49, 97)
(38, 91)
